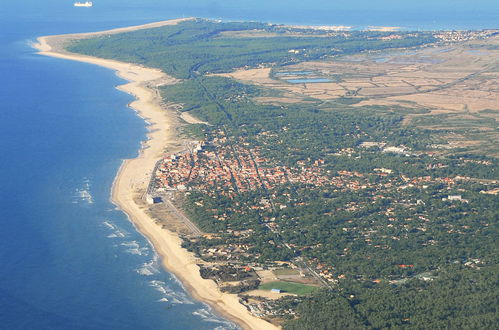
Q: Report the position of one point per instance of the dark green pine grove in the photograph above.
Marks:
(199, 46)
(460, 299)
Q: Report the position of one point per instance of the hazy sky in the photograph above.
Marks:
(421, 4)
(450, 5)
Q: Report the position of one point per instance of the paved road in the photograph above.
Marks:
(192, 227)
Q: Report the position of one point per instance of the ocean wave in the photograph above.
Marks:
(227, 326)
(133, 247)
(149, 268)
(83, 194)
(206, 315)
(117, 231)
(174, 297)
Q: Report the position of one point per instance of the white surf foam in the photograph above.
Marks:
(174, 297)
(133, 247)
(149, 268)
(83, 194)
(208, 316)
(117, 231)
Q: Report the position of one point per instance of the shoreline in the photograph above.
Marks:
(134, 174)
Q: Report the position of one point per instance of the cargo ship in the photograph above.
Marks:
(83, 4)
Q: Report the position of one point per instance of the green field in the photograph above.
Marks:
(288, 287)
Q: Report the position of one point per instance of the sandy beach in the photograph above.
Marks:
(134, 174)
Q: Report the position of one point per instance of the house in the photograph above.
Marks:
(454, 198)
(153, 199)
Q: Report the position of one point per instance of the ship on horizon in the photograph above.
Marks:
(83, 4)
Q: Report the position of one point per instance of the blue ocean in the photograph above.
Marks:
(68, 258)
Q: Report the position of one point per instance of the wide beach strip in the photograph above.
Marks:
(134, 174)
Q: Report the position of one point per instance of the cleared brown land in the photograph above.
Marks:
(458, 86)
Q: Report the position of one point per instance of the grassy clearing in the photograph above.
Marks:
(286, 271)
(288, 287)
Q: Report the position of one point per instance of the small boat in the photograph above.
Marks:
(83, 4)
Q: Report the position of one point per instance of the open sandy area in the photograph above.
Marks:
(134, 174)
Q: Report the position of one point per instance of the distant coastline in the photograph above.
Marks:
(134, 174)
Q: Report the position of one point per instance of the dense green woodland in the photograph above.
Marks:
(459, 299)
(364, 235)
(464, 300)
(197, 47)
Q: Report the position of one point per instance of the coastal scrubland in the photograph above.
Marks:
(354, 170)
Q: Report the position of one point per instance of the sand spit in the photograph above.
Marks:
(134, 174)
